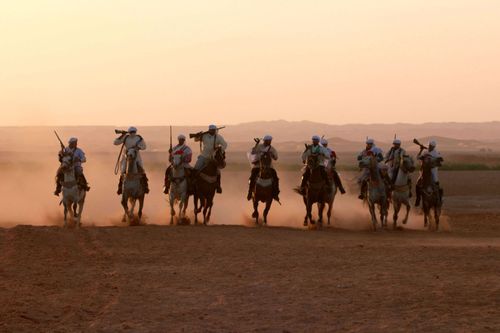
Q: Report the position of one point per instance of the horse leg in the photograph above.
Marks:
(437, 213)
(255, 213)
(65, 215)
(132, 209)
(397, 207)
(79, 215)
(125, 207)
(321, 208)
(408, 208)
(141, 206)
(75, 206)
(209, 212)
(371, 207)
(266, 210)
(172, 205)
(329, 211)
(195, 202)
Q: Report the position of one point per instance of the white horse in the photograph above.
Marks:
(73, 198)
(178, 188)
(402, 188)
(133, 189)
(332, 191)
(377, 192)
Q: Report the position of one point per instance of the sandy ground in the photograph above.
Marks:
(107, 277)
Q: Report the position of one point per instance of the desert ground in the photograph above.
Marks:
(232, 276)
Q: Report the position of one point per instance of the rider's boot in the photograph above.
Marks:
(167, 180)
(120, 185)
(219, 188)
(83, 182)
(338, 182)
(59, 180)
(364, 187)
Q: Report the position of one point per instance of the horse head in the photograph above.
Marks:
(407, 164)
(131, 160)
(177, 160)
(66, 161)
(313, 161)
(368, 161)
(219, 157)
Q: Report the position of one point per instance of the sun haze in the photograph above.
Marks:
(195, 62)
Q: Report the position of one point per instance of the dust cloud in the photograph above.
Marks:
(28, 183)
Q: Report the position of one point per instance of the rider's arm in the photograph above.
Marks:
(222, 142)
(119, 140)
(141, 144)
(81, 156)
(274, 153)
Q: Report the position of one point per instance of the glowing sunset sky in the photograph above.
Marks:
(163, 62)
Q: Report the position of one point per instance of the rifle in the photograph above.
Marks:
(122, 132)
(422, 147)
(170, 150)
(60, 141)
(200, 134)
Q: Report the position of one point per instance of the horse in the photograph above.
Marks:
(402, 187)
(178, 188)
(316, 190)
(332, 190)
(377, 191)
(133, 189)
(431, 197)
(73, 197)
(206, 184)
(263, 189)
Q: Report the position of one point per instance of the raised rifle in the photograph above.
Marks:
(170, 150)
(60, 141)
(122, 132)
(200, 134)
(422, 147)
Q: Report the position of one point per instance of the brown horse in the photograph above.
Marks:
(263, 191)
(206, 184)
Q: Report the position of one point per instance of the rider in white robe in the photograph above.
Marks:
(331, 166)
(78, 158)
(257, 151)
(438, 160)
(187, 154)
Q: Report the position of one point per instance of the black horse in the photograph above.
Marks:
(264, 188)
(206, 185)
(316, 190)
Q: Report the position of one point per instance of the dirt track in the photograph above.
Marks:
(225, 278)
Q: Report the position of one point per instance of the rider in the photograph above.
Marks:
(78, 159)
(375, 151)
(180, 149)
(323, 155)
(210, 140)
(131, 139)
(331, 166)
(393, 161)
(431, 151)
(259, 149)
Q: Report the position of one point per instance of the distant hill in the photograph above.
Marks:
(288, 136)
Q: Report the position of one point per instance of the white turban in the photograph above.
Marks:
(181, 137)
(132, 129)
(396, 142)
(324, 142)
(432, 143)
(315, 138)
(268, 137)
(212, 127)
(72, 140)
(370, 141)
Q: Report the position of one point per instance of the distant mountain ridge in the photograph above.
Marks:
(288, 136)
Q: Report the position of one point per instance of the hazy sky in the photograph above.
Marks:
(70, 62)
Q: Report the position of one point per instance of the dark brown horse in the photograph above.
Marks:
(206, 184)
(263, 189)
(316, 190)
(431, 198)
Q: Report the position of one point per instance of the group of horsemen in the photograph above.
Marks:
(211, 140)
